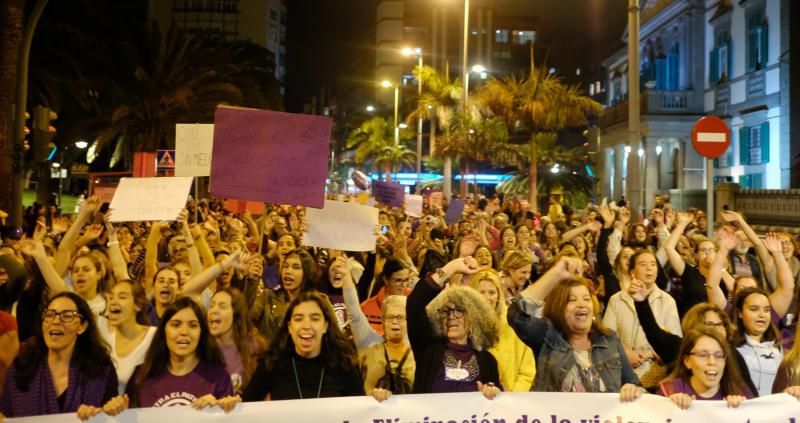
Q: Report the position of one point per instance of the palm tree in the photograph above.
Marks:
(179, 77)
(370, 142)
(393, 157)
(439, 102)
(539, 103)
(474, 139)
(556, 166)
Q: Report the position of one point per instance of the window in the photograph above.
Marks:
(501, 36)
(720, 58)
(754, 144)
(751, 181)
(523, 37)
(757, 40)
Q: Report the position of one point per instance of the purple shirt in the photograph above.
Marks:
(682, 386)
(233, 365)
(40, 397)
(167, 390)
(459, 371)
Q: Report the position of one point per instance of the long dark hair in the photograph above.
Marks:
(91, 353)
(309, 269)
(156, 361)
(246, 338)
(732, 382)
(337, 351)
(738, 338)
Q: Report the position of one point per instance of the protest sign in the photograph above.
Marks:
(193, 145)
(471, 407)
(149, 198)
(436, 198)
(342, 226)
(389, 193)
(414, 205)
(454, 211)
(271, 157)
(240, 206)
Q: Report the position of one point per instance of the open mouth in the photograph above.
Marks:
(582, 315)
(114, 311)
(183, 343)
(305, 340)
(55, 333)
(711, 374)
(165, 295)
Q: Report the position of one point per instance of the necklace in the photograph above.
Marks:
(297, 380)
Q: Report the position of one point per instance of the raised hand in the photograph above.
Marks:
(594, 226)
(731, 216)
(773, 243)
(685, 218)
(606, 213)
(625, 215)
(91, 205)
(657, 215)
(638, 290)
(727, 239)
(93, 232)
(41, 229)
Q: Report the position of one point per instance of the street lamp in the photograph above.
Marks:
(370, 108)
(387, 84)
(81, 144)
(479, 69)
(418, 52)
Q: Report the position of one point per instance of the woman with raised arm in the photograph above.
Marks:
(706, 371)
(450, 332)
(693, 277)
(574, 351)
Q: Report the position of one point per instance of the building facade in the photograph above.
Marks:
(261, 21)
(727, 58)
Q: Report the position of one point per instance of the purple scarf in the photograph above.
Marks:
(40, 398)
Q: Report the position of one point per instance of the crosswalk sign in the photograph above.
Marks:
(165, 159)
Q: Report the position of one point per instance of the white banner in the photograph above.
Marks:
(527, 407)
(149, 198)
(193, 146)
(342, 226)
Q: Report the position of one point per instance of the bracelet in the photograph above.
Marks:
(110, 243)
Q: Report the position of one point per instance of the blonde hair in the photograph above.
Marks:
(494, 278)
(481, 323)
(515, 259)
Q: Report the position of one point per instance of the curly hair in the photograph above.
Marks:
(337, 351)
(483, 332)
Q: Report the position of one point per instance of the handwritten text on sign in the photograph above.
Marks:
(342, 226)
(138, 199)
(272, 157)
(193, 145)
(516, 407)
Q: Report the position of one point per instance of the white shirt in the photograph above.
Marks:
(125, 365)
(763, 359)
(621, 317)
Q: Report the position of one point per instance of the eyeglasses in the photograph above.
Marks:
(66, 316)
(456, 312)
(394, 318)
(716, 325)
(706, 250)
(705, 355)
(787, 243)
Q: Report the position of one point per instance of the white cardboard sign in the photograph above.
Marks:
(193, 145)
(414, 205)
(142, 199)
(342, 226)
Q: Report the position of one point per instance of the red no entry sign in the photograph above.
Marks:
(711, 137)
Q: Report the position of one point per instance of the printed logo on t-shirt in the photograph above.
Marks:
(175, 398)
(236, 381)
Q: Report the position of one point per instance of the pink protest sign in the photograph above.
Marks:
(270, 157)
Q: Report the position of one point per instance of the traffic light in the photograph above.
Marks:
(43, 133)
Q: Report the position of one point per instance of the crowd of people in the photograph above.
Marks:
(218, 307)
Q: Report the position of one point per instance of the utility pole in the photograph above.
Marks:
(633, 186)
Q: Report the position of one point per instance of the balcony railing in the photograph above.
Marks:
(653, 102)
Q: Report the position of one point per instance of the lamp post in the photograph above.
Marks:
(387, 84)
(418, 52)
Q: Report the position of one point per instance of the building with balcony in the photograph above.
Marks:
(727, 58)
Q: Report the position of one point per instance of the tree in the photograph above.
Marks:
(439, 103)
(372, 139)
(393, 157)
(177, 77)
(539, 103)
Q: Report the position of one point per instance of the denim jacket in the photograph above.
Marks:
(555, 356)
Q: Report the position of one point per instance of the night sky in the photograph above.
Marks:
(323, 35)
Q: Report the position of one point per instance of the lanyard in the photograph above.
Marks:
(297, 381)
